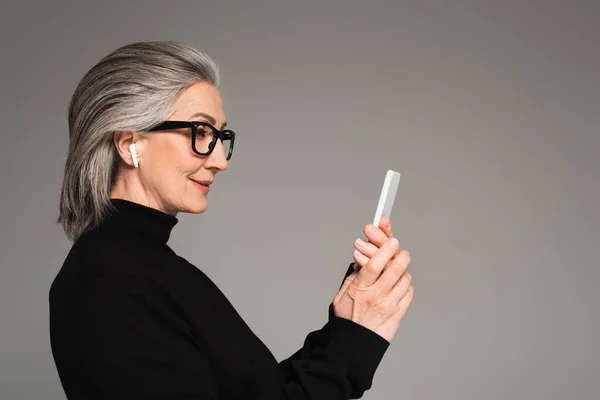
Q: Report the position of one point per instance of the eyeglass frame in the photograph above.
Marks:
(217, 134)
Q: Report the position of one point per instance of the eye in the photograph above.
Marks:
(204, 131)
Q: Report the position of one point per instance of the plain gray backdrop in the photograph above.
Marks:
(488, 109)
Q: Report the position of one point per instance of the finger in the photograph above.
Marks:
(375, 235)
(393, 271)
(361, 259)
(400, 288)
(405, 302)
(366, 248)
(386, 226)
(369, 248)
(371, 270)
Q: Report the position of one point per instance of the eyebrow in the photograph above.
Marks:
(208, 117)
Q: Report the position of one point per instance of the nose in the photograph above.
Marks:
(217, 159)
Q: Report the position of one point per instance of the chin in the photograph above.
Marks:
(196, 206)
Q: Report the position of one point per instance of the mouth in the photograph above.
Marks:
(204, 186)
(203, 183)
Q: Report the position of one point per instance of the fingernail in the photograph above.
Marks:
(394, 242)
(371, 228)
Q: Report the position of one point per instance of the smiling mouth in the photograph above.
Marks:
(203, 183)
(203, 186)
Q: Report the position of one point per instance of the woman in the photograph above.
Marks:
(130, 319)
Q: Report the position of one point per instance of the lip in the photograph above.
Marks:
(203, 182)
(204, 186)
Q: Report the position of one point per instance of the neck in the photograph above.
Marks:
(129, 187)
(135, 217)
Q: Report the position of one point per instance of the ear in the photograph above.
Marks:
(122, 141)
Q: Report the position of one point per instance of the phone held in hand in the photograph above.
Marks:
(387, 196)
(386, 201)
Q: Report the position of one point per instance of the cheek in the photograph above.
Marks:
(186, 163)
(174, 163)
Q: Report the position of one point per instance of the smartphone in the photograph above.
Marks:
(387, 196)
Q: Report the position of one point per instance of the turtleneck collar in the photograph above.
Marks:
(149, 221)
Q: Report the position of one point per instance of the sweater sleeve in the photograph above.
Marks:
(133, 347)
(352, 351)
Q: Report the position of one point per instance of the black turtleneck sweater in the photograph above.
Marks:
(130, 319)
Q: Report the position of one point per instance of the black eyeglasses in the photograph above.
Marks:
(204, 136)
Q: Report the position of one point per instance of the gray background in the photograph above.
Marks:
(488, 109)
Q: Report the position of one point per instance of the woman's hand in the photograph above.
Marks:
(378, 294)
(365, 250)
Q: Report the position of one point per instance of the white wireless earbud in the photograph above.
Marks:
(133, 151)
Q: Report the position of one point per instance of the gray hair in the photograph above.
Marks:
(131, 89)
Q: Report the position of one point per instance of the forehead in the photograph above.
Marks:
(200, 97)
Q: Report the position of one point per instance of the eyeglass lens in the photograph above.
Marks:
(205, 135)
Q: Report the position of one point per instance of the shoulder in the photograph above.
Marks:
(100, 263)
(108, 256)
(99, 252)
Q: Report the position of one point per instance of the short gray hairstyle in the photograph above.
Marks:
(131, 89)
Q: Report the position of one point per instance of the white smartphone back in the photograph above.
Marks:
(388, 194)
